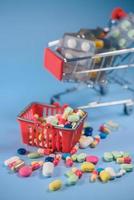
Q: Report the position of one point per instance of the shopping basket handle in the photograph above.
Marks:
(56, 104)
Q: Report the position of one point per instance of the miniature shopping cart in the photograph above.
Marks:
(100, 70)
(50, 138)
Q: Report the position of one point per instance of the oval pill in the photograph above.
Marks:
(55, 185)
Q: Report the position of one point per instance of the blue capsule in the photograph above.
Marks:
(64, 155)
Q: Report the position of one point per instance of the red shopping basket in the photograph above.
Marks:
(51, 138)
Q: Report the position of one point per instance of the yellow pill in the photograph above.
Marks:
(104, 176)
(87, 167)
(55, 185)
(99, 44)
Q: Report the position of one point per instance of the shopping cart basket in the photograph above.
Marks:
(97, 74)
(51, 138)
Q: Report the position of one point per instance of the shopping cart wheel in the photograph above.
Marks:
(103, 89)
(128, 109)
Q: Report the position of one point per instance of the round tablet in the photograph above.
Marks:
(131, 34)
(25, 171)
(85, 46)
(92, 159)
(22, 151)
(71, 43)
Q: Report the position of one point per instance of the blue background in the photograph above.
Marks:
(25, 29)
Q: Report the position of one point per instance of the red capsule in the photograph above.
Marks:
(127, 160)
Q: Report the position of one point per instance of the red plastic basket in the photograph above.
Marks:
(52, 138)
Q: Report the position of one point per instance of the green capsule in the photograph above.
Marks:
(34, 155)
(127, 167)
(72, 180)
(69, 173)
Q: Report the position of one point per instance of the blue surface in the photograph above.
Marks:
(25, 28)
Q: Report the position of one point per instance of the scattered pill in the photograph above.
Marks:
(22, 151)
(87, 167)
(34, 155)
(72, 180)
(127, 167)
(25, 171)
(111, 171)
(12, 159)
(104, 176)
(55, 185)
(81, 157)
(94, 176)
(92, 159)
(108, 157)
(48, 169)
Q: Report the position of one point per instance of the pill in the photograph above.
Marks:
(71, 43)
(81, 113)
(104, 129)
(117, 154)
(85, 46)
(68, 110)
(52, 120)
(127, 167)
(122, 42)
(95, 142)
(49, 159)
(88, 131)
(72, 180)
(65, 155)
(48, 169)
(81, 157)
(56, 161)
(77, 172)
(73, 118)
(103, 135)
(84, 142)
(74, 150)
(36, 165)
(104, 176)
(99, 44)
(34, 155)
(74, 157)
(17, 165)
(108, 157)
(55, 185)
(131, 34)
(22, 151)
(125, 25)
(120, 173)
(69, 162)
(111, 171)
(25, 171)
(68, 125)
(122, 160)
(69, 173)
(92, 159)
(115, 33)
(94, 176)
(87, 167)
(100, 170)
(12, 159)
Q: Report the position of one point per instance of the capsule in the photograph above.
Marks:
(48, 169)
